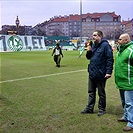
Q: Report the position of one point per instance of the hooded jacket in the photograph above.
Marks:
(101, 60)
(124, 67)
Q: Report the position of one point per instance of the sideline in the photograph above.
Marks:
(42, 76)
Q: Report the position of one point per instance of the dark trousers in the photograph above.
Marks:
(122, 97)
(93, 86)
(57, 59)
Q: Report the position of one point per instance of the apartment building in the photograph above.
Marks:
(57, 25)
(129, 28)
(123, 25)
(74, 25)
(70, 25)
(107, 22)
(21, 30)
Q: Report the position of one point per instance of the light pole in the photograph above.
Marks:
(17, 23)
(114, 33)
(80, 22)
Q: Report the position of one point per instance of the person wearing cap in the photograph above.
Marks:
(124, 78)
(57, 52)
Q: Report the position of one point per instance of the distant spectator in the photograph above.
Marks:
(81, 50)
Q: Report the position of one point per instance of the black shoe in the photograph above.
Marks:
(86, 111)
(101, 112)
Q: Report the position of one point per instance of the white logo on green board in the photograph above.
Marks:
(15, 43)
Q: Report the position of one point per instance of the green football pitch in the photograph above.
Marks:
(37, 97)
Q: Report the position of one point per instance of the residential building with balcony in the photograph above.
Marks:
(129, 28)
(109, 23)
(70, 25)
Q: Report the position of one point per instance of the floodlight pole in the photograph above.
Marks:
(80, 22)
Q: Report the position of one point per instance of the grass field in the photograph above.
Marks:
(37, 97)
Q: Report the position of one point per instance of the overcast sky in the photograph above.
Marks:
(32, 12)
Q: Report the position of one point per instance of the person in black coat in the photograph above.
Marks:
(100, 69)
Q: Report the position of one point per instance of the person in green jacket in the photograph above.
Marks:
(81, 50)
(124, 78)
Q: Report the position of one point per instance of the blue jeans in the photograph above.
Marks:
(128, 108)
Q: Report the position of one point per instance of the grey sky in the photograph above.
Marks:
(32, 12)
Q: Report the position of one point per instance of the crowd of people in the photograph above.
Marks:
(100, 69)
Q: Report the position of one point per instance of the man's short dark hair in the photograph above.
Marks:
(99, 33)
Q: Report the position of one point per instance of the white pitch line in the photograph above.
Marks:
(42, 76)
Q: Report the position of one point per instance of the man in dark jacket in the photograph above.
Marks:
(100, 69)
(57, 52)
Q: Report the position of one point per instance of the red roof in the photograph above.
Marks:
(124, 22)
(60, 19)
(76, 17)
(98, 15)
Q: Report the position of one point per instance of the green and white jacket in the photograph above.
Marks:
(124, 67)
